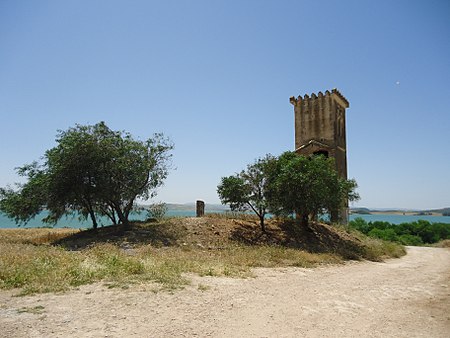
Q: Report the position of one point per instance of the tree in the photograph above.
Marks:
(92, 171)
(306, 186)
(247, 190)
(26, 204)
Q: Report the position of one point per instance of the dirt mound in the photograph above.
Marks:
(218, 232)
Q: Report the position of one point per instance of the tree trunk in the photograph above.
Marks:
(334, 216)
(88, 205)
(94, 220)
(123, 218)
(110, 210)
(305, 220)
(110, 213)
(261, 222)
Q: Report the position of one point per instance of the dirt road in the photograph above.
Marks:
(407, 297)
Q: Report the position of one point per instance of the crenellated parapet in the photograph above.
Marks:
(337, 95)
(306, 99)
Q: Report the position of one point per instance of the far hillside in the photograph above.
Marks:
(367, 211)
(443, 211)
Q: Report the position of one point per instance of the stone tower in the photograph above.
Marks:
(320, 129)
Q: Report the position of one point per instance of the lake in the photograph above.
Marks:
(73, 222)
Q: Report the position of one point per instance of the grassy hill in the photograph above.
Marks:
(48, 260)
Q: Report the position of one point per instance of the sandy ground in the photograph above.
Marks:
(407, 297)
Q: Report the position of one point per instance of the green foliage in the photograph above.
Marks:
(286, 185)
(360, 224)
(248, 189)
(93, 170)
(381, 225)
(384, 234)
(407, 239)
(29, 202)
(414, 233)
(235, 192)
(307, 186)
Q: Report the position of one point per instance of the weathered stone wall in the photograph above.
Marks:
(321, 118)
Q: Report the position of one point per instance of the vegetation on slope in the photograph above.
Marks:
(49, 260)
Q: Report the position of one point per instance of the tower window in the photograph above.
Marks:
(321, 152)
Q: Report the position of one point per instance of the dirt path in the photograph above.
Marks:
(407, 297)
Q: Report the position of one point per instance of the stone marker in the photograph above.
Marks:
(200, 208)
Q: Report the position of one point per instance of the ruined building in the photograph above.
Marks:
(320, 129)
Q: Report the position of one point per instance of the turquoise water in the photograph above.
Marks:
(73, 222)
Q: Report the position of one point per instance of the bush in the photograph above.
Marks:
(381, 225)
(385, 234)
(360, 224)
(408, 239)
(414, 233)
(157, 211)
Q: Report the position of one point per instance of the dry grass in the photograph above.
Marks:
(377, 250)
(445, 243)
(35, 235)
(52, 260)
(233, 215)
(46, 268)
(373, 249)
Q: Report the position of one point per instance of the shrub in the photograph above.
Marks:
(361, 225)
(157, 211)
(415, 233)
(385, 234)
(407, 239)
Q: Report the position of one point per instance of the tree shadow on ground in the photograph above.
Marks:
(249, 233)
(140, 233)
(213, 233)
(322, 238)
(316, 238)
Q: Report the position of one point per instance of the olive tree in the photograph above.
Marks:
(92, 171)
(247, 190)
(307, 186)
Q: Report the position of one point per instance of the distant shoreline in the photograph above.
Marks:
(398, 213)
(442, 212)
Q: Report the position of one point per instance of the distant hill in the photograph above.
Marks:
(191, 206)
(362, 211)
(441, 211)
(444, 211)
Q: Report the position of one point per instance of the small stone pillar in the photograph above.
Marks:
(200, 208)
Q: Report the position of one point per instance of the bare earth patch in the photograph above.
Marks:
(406, 297)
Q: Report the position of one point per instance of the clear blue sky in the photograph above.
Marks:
(216, 76)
